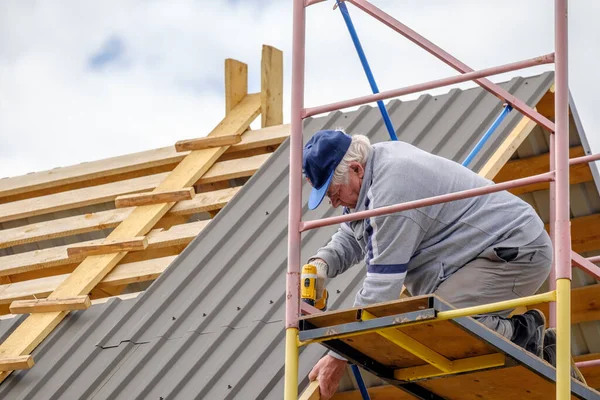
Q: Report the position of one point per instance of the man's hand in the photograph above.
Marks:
(329, 371)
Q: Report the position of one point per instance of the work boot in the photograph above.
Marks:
(550, 354)
(528, 331)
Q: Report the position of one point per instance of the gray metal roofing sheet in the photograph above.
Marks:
(211, 325)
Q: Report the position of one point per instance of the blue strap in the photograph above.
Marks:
(360, 382)
(365, 64)
(488, 134)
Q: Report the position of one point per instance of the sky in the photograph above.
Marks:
(82, 81)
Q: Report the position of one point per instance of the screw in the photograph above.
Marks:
(239, 308)
(204, 314)
(270, 301)
(228, 386)
(266, 213)
(173, 318)
(338, 291)
(161, 398)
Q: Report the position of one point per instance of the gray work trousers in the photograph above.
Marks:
(499, 273)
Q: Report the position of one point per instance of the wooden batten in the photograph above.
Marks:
(271, 84)
(144, 199)
(130, 166)
(108, 246)
(50, 305)
(312, 392)
(16, 363)
(207, 143)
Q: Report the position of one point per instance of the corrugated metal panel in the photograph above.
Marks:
(211, 325)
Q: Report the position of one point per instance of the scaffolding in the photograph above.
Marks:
(558, 177)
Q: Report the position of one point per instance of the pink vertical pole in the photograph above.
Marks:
(292, 298)
(562, 238)
(295, 195)
(552, 278)
(562, 228)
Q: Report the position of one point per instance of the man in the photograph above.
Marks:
(468, 252)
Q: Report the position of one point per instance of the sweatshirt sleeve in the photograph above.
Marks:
(393, 239)
(342, 251)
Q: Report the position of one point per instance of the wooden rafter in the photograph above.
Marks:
(524, 167)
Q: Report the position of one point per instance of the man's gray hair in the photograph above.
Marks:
(358, 151)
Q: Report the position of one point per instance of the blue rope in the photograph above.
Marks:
(360, 382)
(488, 134)
(365, 64)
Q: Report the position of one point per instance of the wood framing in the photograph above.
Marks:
(385, 392)
(585, 304)
(18, 362)
(94, 268)
(236, 83)
(50, 305)
(144, 199)
(271, 86)
(107, 247)
(207, 142)
(591, 374)
(122, 274)
(507, 148)
(121, 168)
(312, 392)
(524, 167)
(56, 256)
(220, 171)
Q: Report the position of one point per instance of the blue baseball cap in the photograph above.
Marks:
(321, 156)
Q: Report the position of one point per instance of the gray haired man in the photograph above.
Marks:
(468, 252)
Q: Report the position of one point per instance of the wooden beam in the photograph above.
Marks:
(585, 304)
(220, 171)
(144, 199)
(55, 256)
(209, 201)
(271, 91)
(206, 142)
(92, 270)
(18, 362)
(123, 167)
(385, 392)
(521, 168)
(591, 374)
(107, 246)
(233, 169)
(236, 83)
(122, 274)
(585, 233)
(507, 148)
(312, 392)
(50, 305)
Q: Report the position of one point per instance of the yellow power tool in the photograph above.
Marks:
(308, 291)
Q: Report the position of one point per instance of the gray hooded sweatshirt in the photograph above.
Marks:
(421, 248)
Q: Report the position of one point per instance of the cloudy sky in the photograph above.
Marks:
(83, 80)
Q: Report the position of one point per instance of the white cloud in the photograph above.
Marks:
(56, 111)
